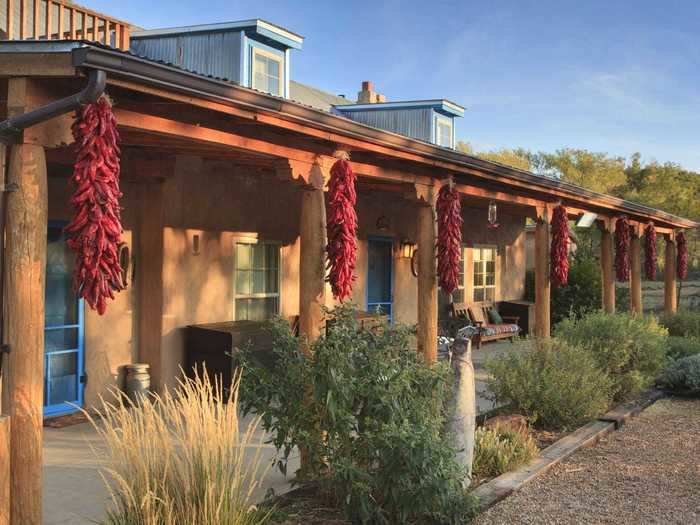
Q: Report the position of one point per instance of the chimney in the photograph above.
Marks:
(368, 96)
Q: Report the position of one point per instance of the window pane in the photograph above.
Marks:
(258, 256)
(458, 295)
(272, 256)
(273, 68)
(258, 281)
(62, 378)
(478, 294)
(241, 309)
(490, 294)
(489, 254)
(490, 279)
(271, 281)
(60, 339)
(243, 256)
(491, 267)
(243, 282)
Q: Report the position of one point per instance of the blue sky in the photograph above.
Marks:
(608, 76)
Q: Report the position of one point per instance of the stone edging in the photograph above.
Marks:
(588, 435)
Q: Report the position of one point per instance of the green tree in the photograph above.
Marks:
(515, 158)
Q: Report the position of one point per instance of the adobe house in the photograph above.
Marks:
(224, 164)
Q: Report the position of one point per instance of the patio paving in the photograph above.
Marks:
(74, 492)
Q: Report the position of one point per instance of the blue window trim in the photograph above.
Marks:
(388, 240)
(67, 408)
(247, 46)
(438, 117)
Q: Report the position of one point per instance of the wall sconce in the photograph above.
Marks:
(406, 248)
(124, 256)
(195, 244)
(383, 223)
(493, 215)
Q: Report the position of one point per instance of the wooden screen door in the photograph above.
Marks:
(63, 333)
(379, 275)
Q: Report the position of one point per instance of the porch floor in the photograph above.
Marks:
(73, 488)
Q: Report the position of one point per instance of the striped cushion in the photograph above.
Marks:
(497, 329)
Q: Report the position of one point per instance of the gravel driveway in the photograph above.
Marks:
(646, 473)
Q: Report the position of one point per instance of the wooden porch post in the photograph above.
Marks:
(149, 279)
(606, 268)
(542, 276)
(636, 271)
(23, 367)
(312, 271)
(427, 276)
(4, 470)
(670, 300)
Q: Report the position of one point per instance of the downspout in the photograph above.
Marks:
(10, 132)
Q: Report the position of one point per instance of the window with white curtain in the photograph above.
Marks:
(256, 280)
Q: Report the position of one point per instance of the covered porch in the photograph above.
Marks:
(224, 216)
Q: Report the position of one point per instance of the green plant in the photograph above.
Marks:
(554, 383)
(181, 458)
(684, 323)
(630, 349)
(581, 295)
(500, 450)
(368, 415)
(679, 347)
(683, 376)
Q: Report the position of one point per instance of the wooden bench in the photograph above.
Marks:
(478, 314)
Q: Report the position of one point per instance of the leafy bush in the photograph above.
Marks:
(678, 347)
(555, 384)
(630, 349)
(181, 459)
(683, 376)
(500, 450)
(581, 295)
(684, 323)
(367, 414)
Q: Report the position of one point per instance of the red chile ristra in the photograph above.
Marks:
(650, 251)
(449, 244)
(622, 249)
(95, 231)
(560, 247)
(682, 262)
(342, 229)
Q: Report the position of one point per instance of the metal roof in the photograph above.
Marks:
(255, 23)
(128, 65)
(315, 97)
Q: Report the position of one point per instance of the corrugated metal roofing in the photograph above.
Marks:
(315, 97)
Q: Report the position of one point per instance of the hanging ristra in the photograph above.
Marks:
(94, 233)
(449, 245)
(650, 251)
(560, 247)
(682, 261)
(342, 227)
(622, 249)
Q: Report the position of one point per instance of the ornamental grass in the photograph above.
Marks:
(181, 457)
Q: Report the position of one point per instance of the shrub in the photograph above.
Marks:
(684, 323)
(630, 349)
(500, 450)
(678, 347)
(555, 384)
(181, 459)
(581, 295)
(368, 414)
(683, 376)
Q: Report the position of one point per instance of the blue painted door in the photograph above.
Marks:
(63, 334)
(379, 277)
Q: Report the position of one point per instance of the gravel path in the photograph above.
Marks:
(646, 473)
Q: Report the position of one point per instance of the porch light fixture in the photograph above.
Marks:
(195, 244)
(406, 248)
(586, 220)
(493, 215)
(382, 223)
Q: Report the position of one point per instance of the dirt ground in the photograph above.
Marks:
(646, 473)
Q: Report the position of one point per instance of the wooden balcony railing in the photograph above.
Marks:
(59, 20)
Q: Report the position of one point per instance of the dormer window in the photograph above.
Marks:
(267, 72)
(443, 132)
